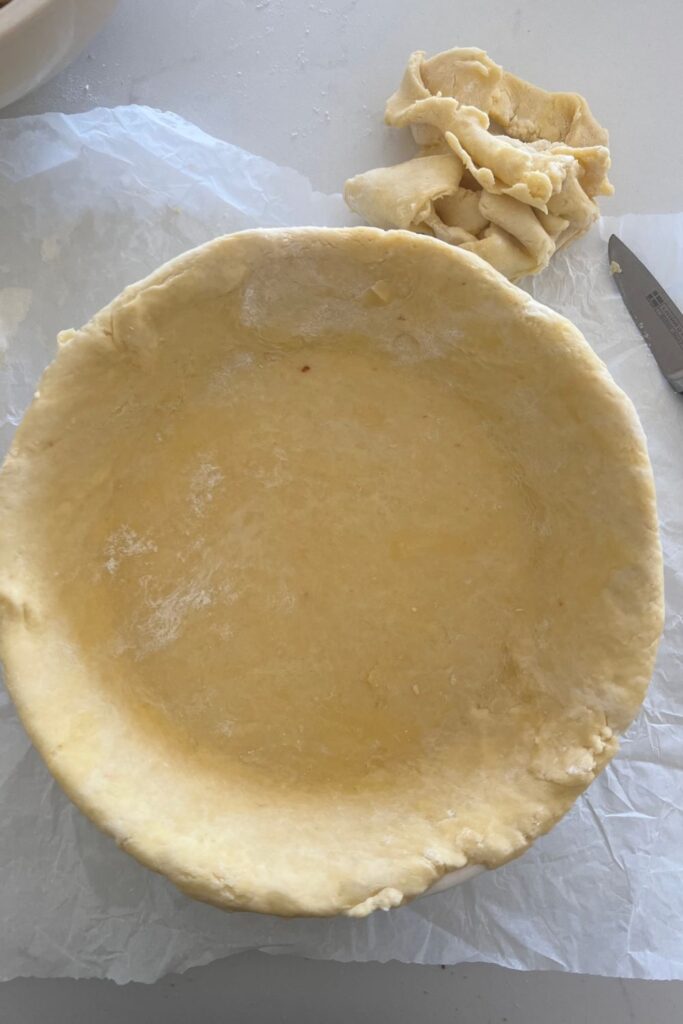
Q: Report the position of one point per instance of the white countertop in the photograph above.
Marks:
(303, 82)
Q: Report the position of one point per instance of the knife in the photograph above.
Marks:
(654, 313)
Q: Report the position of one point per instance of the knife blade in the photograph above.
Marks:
(654, 313)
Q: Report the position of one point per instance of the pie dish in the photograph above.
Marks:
(329, 564)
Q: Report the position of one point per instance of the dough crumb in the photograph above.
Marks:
(50, 248)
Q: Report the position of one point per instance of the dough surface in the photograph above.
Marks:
(506, 170)
(329, 563)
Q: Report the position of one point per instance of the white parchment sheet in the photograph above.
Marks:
(91, 202)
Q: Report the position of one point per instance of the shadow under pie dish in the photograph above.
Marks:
(329, 565)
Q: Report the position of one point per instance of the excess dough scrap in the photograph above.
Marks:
(505, 169)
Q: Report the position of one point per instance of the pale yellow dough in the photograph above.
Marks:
(329, 563)
(534, 160)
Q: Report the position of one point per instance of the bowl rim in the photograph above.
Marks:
(17, 13)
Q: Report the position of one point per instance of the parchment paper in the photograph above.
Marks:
(91, 202)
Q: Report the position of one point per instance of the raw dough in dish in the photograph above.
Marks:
(329, 563)
(505, 169)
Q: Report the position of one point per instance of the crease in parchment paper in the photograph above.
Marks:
(91, 202)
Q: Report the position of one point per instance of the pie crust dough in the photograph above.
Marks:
(505, 169)
(329, 563)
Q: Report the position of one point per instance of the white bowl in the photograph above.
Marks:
(40, 37)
